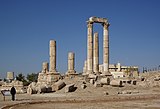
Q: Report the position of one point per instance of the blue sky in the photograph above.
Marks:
(26, 26)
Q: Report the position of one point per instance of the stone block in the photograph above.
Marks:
(97, 84)
(83, 86)
(134, 82)
(117, 83)
(105, 81)
(69, 88)
(58, 85)
(91, 81)
(92, 76)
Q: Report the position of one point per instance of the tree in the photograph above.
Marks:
(32, 77)
(21, 77)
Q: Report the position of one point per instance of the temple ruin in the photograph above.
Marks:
(49, 79)
(49, 73)
(92, 54)
(92, 68)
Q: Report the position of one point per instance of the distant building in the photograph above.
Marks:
(118, 74)
(121, 71)
(10, 76)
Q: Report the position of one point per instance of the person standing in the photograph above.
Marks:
(13, 92)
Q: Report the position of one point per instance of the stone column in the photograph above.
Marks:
(71, 63)
(95, 53)
(45, 67)
(106, 48)
(90, 49)
(118, 67)
(52, 56)
(85, 67)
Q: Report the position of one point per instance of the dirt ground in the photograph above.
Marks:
(145, 99)
(58, 101)
(89, 98)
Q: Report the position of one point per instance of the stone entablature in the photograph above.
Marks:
(97, 20)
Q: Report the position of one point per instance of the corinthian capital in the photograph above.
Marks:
(105, 25)
(89, 24)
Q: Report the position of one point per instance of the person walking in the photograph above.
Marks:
(13, 92)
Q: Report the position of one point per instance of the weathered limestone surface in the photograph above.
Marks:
(97, 84)
(83, 86)
(117, 83)
(106, 48)
(90, 49)
(45, 67)
(105, 81)
(95, 54)
(92, 76)
(92, 61)
(71, 63)
(58, 85)
(35, 88)
(49, 75)
(69, 88)
(85, 67)
(92, 81)
(52, 56)
(32, 88)
(17, 84)
(97, 20)
(42, 77)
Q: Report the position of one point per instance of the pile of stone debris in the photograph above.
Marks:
(71, 83)
(150, 79)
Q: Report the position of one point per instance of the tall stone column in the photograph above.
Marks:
(106, 48)
(95, 53)
(71, 63)
(52, 55)
(90, 48)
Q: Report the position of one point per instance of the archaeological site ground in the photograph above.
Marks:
(99, 86)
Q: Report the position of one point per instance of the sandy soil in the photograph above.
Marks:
(86, 100)
(89, 98)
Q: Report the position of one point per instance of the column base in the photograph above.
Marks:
(106, 74)
(89, 72)
(97, 73)
(71, 72)
(53, 77)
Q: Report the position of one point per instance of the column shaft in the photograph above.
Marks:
(52, 56)
(96, 53)
(71, 63)
(90, 49)
(105, 48)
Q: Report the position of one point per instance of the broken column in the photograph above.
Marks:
(90, 48)
(95, 54)
(42, 77)
(58, 85)
(71, 63)
(117, 83)
(52, 56)
(45, 67)
(106, 48)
